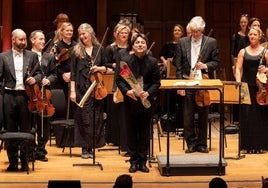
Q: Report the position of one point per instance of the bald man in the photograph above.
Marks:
(14, 64)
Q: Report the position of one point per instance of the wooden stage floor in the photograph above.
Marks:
(244, 172)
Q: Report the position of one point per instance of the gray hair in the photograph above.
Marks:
(197, 23)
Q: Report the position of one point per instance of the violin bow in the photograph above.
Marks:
(202, 47)
(102, 41)
(149, 49)
(263, 54)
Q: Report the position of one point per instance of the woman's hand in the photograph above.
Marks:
(66, 77)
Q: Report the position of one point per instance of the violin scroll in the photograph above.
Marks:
(62, 56)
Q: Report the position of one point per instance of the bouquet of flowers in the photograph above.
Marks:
(127, 74)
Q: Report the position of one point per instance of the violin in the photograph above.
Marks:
(32, 90)
(43, 105)
(63, 55)
(262, 94)
(261, 81)
(100, 90)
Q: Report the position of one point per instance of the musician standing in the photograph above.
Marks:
(187, 61)
(49, 76)
(63, 52)
(85, 61)
(13, 67)
(145, 69)
(115, 123)
(253, 117)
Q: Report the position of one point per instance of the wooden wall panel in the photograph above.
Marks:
(223, 16)
(31, 14)
(159, 16)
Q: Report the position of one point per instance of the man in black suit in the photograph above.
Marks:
(14, 64)
(49, 76)
(196, 55)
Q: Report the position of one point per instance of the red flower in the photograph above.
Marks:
(125, 71)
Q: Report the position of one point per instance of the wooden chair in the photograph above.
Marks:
(171, 69)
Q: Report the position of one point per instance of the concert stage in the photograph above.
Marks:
(245, 172)
(191, 165)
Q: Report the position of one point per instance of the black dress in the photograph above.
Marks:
(91, 115)
(115, 122)
(253, 118)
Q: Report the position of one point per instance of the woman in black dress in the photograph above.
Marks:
(253, 117)
(62, 54)
(83, 64)
(115, 123)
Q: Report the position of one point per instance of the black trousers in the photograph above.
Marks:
(138, 122)
(194, 133)
(42, 135)
(16, 118)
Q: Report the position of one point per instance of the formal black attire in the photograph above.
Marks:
(48, 68)
(239, 42)
(138, 117)
(16, 112)
(84, 117)
(63, 67)
(253, 118)
(195, 136)
(115, 122)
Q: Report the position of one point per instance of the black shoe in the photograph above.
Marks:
(132, 168)
(24, 167)
(202, 149)
(12, 168)
(41, 158)
(190, 149)
(143, 168)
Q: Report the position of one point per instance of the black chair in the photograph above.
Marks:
(60, 119)
(26, 139)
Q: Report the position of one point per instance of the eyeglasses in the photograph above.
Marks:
(244, 15)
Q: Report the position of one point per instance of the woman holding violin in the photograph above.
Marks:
(43, 105)
(253, 117)
(86, 63)
(64, 49)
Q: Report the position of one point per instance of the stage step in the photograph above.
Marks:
(191, 164)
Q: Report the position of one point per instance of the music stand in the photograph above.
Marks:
(239, 85)
(232, 95)
(151, 157)
(94, 163)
